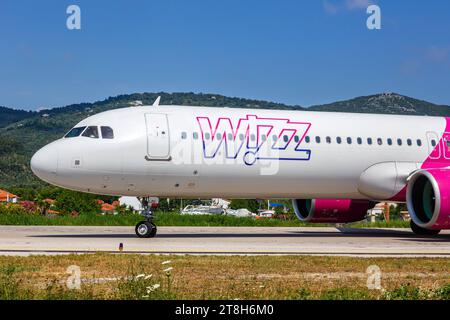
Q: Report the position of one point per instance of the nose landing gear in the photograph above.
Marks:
(146, 228)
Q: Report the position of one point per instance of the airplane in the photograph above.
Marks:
(334, 166)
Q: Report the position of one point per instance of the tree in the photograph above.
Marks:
(50, 192)
(24, 193)
(279, 210)
(249, 204)
(42, 205)
(83, 203)
(395, 210)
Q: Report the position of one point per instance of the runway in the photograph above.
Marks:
(28, 240)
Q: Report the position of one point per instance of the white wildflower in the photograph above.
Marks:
(166, 262)
(168, 269)
(153, 287)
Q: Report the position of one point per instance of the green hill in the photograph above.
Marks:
(386, 103)
(8, 115)
(22, 132)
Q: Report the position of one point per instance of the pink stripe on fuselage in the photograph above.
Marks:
(442, 161)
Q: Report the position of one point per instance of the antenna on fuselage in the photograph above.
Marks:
(156, 103)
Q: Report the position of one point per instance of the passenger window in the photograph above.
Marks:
(359, 140)
(419, 142)
(107, 133)
(230, 136)
(207, 136)
(91, 132)
(409, 142)
(389, 141)
(399, 142)
(241, 136)
(380, 141)
(369, 141)
(339, 140)
(318, 139)
(349, 140)
(328, 139)
(285, 138)
(433, 143)
(218, 136)
(195, 135)
(307, 139)
(296, 139)
(183, 135)
(75, 132)
(264, 137)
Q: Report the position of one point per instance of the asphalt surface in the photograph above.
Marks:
(27, 240)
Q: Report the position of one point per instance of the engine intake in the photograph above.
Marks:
(428, 198)
(331, 210)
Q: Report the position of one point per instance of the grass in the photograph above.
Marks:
(172, 219)
(81, 220)
(124, 276)
(380, 224)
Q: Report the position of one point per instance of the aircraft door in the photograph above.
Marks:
(158, 138)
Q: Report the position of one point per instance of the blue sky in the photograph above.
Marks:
(296, 52)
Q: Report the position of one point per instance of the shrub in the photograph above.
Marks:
(404, 292)
(70, 201)
(443, 292)
(12, 209)
(344, 294)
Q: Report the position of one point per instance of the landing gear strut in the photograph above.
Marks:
(146, 228)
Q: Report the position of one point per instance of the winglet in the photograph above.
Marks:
(156, 103)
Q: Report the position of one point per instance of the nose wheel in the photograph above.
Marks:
(146, 229)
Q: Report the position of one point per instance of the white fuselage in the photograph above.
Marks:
(178, 151)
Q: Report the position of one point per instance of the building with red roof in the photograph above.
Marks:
(8, 197)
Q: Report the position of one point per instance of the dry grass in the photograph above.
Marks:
(111, 276)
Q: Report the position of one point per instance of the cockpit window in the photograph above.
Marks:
(91, 132)
(75, 132)
(107, 133)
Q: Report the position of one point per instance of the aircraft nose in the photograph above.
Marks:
(44, 162)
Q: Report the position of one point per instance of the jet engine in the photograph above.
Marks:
(428, 200)
(331, 210)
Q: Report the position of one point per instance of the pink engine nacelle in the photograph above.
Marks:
(428, 198)
(331, 210)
